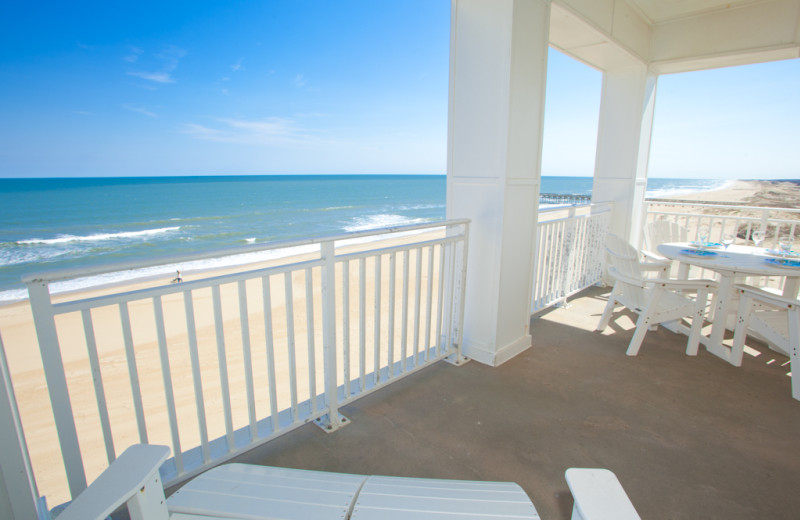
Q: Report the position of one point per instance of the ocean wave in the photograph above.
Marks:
(97, 237)
(380, 221)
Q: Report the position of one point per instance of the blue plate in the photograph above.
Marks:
(711, 245)
(780, 262)
(698, 252)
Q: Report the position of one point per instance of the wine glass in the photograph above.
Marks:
(758, 237)
(786, 242)
(702, 235)
(727, 239)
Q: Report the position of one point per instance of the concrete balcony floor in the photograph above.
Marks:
(688, 437)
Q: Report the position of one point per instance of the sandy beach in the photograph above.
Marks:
(19, 337)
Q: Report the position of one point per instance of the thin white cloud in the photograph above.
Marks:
(158, 77)
(300, 81)
(133, 57)
(160, 72)
(238, 65)
(268, 131)
(139, 110)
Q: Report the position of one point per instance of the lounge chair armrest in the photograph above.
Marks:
(769, 298)
(598, 495)
(133, 478)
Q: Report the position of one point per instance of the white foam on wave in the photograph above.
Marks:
(380, 221)
(689, 187)
(97, 237)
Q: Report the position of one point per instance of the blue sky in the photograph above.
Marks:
(295, 86)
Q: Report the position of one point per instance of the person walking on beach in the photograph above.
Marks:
(177, 278)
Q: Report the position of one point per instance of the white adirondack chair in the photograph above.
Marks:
(771, 318)
(655, 300)
(243, 491)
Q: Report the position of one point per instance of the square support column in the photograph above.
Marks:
(498, 72)
(623, 145)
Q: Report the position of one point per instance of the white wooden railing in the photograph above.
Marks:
(268, 348)
(721, 219)
(569, 252)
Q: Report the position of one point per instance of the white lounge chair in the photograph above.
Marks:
(773, 319)
(655, 300)
(662, 232)
(241, 491)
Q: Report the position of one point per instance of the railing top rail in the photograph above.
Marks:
(720, 206)
(69, 274)
(599, 205)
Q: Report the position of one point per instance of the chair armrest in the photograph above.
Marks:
(672, 283)
(133, 476)
(766, 297)
(655, 258)
(638, 282)
(598, 495)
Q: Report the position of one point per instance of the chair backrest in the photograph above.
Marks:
(624, 258)
(662, 232)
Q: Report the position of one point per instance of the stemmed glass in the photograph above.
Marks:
(702, 235)
(758, 237)
(727, 239)
(786, 242)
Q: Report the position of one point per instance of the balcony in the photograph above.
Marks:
(688, 437)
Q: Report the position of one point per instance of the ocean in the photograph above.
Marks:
(68, 223)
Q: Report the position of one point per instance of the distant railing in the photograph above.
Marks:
(569, 252)
(564, 198)
(739, 220)
(261, 351)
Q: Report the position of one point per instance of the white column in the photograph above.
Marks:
(623, 145)
(498, 69)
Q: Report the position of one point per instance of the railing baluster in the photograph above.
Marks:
(191, 334)
(417, 299)
(310, 330)
(404, 316)
(133, 371)
(377, 321)
(270, 347)
(362, 322)
(392, 283)
(429, 303)
(166, 374)
(440, 348)
(97, 380)
(290, 346)
(346, 327)
(247, 359)
(222, 361)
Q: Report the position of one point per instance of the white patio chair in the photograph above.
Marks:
(655, 300)
(773, 319)
(239, 491)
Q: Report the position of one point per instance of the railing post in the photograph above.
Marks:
(19, 498)
(333, 420)
(568, 248)
(45, 324)
(461, 289)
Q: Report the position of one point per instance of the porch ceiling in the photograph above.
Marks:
(659, 11)
(668, 36)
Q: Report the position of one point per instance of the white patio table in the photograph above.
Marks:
(735, 261)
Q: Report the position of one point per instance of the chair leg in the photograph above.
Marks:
(693, 344)
(740, 332)
(606, 317)
(644, 322)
